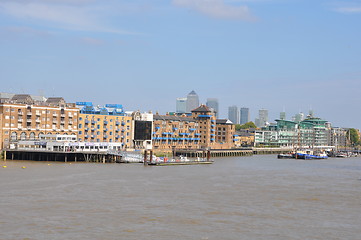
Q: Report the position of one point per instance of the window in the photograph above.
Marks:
(80, 118)
(80, 125)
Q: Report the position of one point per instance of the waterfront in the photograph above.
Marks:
(258, 197)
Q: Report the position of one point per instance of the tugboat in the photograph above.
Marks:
(309, 154)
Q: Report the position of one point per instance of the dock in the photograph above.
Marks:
(60, 156)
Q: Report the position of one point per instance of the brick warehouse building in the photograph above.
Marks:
(23, 118)
(201, 129)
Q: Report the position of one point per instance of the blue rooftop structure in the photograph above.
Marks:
(109, 109)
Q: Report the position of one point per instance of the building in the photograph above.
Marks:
(311, 132)
(192, 101)
(110, 123)
(104, 124)
(181, 105)
(244, 115)
(282, 115)
(212, 103)
(25, 118)
(233, 114)
(197, 131)
(244, 138)
(262, 119)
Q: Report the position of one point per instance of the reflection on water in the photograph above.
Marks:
(257, 197)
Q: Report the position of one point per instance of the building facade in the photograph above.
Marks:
(104, 124)
(244, 115)
(23, 118)
(233, 114)
(198, 131)
(192, 101)
(181, 105)
(311, 132)
(212, 103)
(262, 119)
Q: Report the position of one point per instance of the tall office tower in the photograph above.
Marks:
(244, 115)
(192, 101)
(263, 117)
(181, 105)
(212, 103)
(283, 115)
(233, 114)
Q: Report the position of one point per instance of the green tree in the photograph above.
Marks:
(245, 126)
(353, 136)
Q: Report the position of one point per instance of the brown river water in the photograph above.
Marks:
(258, 197)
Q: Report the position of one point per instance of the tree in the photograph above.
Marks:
(353, 136)
(245, 126)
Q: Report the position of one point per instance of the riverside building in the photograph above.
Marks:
(104, 124)
(110, 123)
(199, 130)
(311, 132)
(23, 117)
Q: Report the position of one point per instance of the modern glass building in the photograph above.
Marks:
(233, 114)
(244, 115)
(262, 117)
(192, 101)
(181, 105)
(212, 103)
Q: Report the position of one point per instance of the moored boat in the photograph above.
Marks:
(178, 161)
(310, 154)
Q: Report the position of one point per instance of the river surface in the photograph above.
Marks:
(258, 197)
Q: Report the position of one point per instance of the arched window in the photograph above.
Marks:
(14, 136)
(41, 133)
(23, 136)
(32, 136)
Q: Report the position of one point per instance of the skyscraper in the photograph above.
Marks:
(244, 115)
(181, 105)
(263, 117)
(212, 103)
(192, 101)
(233, 114)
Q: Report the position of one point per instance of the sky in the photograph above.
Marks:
(281, 55)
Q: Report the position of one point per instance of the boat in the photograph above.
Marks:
(182, 160)
(309, 154)
(286, 155)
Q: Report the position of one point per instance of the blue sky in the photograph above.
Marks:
(273, 54)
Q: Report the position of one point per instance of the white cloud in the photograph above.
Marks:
(349, 9)
(217, 9)
(79, 15)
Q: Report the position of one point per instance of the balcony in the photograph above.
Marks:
(38, 113)
(20, 113)
(70, 122)
(29, 120)
(20, 120)
(93, 122)
(62, 115)
(55, 115)
(105, 122)
(37, 120)
(29, 113)
(105, 129)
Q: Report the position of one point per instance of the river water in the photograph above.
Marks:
(258, 197)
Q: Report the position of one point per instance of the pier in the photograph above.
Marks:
(60, 156)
